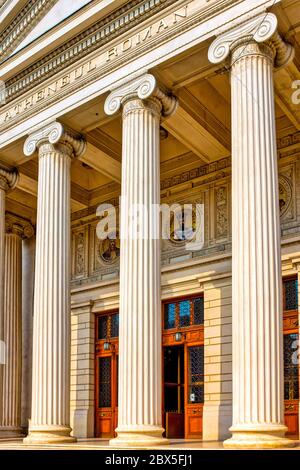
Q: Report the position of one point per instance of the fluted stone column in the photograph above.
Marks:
(258, 413)
(28, 264)
(50, 410)
(16, 230)
(139, 402)
(8, 180)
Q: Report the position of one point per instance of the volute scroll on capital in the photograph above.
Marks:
(261, 29)
(54, 134)
(18, 226)
(8, 178)
(143, 88)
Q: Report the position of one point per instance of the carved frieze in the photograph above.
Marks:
(288, 140)
(195, 173)
(18, 226)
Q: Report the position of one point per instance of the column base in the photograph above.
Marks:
(258, 437)
(49, 435)
(139, 436)
(11, 431)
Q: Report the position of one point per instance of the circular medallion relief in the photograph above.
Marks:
(109, 250)
(182, 228)
(285, 195)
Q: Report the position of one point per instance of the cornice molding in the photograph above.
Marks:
(22, 24)
(94, 37)
(97, 36)
(261, 29)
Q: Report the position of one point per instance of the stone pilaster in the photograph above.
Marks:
(82, 369)
(256, 262)
(217, 410)
(8, 180)
(139, 405)
(16, 230)
(50, 410)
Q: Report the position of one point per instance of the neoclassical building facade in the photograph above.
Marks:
(137, 339)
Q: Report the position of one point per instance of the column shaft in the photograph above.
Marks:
(28, 263)
(2, 342)
(51, 329)
(140, 318)
(8, 180)
(256, 257)
(11, 422)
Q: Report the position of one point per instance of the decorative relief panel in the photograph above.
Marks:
(105, 255)
(221, 213)
(80, 253)
(109, 250)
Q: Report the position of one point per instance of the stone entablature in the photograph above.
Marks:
(22, 24)
(94, 37)
(172, 21)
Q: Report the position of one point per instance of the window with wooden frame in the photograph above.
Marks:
(196, 374)
(184, 313)
(290, 294)
(108, 326)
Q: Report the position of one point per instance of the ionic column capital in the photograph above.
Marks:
(54, 136)
(144, 87)
(18, 226)
(261, 29)
(8, 178)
